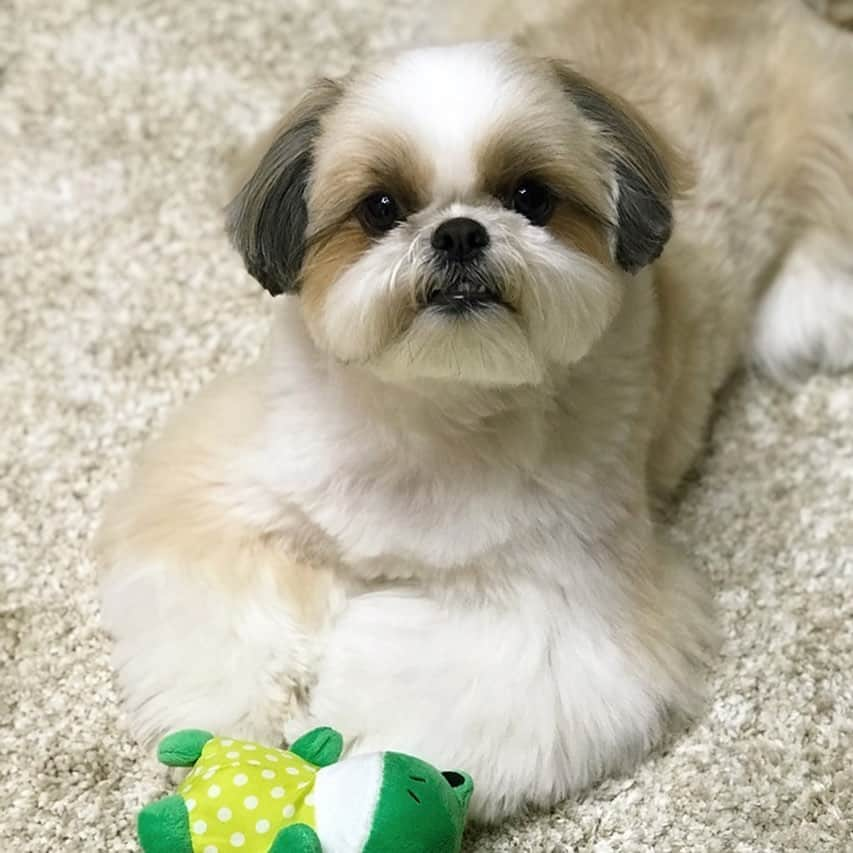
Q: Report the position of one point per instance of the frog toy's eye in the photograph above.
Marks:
(454, 779)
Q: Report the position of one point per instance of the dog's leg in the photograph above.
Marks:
(210, 616)
(537, 695)
(194, 654)
(805, 320)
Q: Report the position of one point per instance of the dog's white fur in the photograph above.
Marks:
(440, 538)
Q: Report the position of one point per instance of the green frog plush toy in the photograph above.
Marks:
(243, 797)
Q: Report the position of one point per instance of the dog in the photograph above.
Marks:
(510, 279)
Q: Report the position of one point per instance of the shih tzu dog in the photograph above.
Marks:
(426, 516)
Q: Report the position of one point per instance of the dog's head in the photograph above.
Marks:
(457, 213)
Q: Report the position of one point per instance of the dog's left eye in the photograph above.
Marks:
(533, 200)
(379, 212)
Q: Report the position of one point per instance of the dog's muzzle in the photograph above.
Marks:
(462, 297)
(459, 289)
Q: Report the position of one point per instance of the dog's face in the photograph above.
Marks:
(460, 213)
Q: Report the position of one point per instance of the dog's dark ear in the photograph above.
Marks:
(268, 217)
(644, 166)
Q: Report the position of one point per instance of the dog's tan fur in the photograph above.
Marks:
(756, 98)
(768, 142)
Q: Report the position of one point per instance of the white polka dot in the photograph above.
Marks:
(277, 793)
(293, 771)
(238, 839)
(232, 755)
(210, 773)
(270, 757)
(214, 791)
(241, 779)
(302, 785)
(249, 747)
(227, 742)
(309, 800)
(191, 804)
(224, 814)
(199, 827)
(268, 774)
(251, 803)
(211, 849)
(262, 826)
(253, 762)
(308, 768)
(289, 811)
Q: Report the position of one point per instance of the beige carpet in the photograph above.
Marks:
(120, 297)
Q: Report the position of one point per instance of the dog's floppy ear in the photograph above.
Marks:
(644, 166)
(268, 217)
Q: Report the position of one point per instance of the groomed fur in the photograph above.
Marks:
(435, 531)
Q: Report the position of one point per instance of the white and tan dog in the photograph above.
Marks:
(426, 515)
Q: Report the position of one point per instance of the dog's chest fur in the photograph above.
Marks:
(393, 488)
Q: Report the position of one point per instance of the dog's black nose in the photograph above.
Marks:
(460, 238)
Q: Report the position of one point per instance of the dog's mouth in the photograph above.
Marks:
(459, 293)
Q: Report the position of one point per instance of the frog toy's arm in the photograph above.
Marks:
(183, 749)
(164, 827)
(320, 747)
(299, 838)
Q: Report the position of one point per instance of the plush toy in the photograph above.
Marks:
(242, 796)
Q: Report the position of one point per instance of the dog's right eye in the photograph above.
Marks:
(379, 213)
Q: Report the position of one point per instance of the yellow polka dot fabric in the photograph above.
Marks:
(240, 794)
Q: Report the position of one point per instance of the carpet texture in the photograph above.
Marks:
(119, 297)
